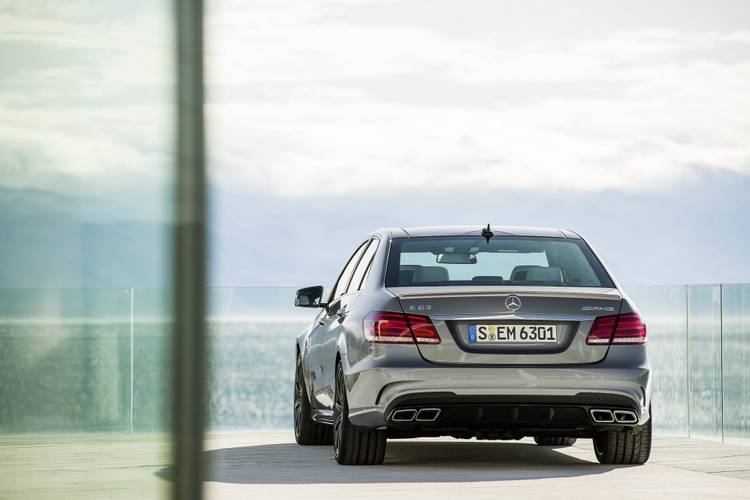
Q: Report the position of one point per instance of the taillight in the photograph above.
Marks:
(617, 329)
(387, 327)
(397, 328)
(630, 330)
(423, 329)
(601, 330)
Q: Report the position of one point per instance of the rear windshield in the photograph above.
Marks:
(504, 260)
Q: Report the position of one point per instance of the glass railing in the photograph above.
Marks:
(96, 361)
(699, 347)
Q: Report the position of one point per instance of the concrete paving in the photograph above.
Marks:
(265, 465)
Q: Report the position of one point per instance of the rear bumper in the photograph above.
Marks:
(508, 417)
(508, 394)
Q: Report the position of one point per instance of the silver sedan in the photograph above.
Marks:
(473, 332)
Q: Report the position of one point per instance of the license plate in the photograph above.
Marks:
(530, 334)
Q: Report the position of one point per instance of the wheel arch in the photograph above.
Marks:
(342, 359)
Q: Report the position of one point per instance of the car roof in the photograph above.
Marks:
(414, 232)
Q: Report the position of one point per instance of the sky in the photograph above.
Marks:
(628, 122)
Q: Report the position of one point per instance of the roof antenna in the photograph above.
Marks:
(487, 233)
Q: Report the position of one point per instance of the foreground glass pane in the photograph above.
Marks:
(86, 93)
(65, 360)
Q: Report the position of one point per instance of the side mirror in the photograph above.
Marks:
(309, 297)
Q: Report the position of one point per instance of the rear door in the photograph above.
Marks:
(326, 334)
(459, 313)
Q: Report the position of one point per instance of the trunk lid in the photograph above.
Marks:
(457, 310)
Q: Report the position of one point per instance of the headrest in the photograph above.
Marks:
(430, 274)
(519, 272)
(545, 274)
(406, 273)
(408, 267)
(487, 278)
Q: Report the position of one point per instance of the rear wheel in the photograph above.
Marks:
(306, 430)
(630, 446)
(352, 445)
(554, 441)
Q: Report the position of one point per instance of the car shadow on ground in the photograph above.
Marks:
(405, 462)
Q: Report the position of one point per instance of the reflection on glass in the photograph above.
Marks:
(65, 360)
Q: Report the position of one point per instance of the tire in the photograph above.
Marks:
(624, 447)
(353, 445)
(554, 441)
(306, 430)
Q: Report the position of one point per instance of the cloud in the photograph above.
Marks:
(86, 99)
(307, 99)
(109, 153)
(308, 105)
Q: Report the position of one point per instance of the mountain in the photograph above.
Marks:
(697, 232)
(53, 240)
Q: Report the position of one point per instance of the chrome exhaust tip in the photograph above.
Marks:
(601, 416)
(428, 414)
(625, 416)
(403, 415)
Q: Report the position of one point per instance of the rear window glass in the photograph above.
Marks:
(504, 260)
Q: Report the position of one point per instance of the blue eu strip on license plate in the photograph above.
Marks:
(472, 333)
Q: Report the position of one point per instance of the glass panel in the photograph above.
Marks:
(251, 370)
(152, 364)
(704, 346)
(664, 310)
(87, 99)
(736, 362)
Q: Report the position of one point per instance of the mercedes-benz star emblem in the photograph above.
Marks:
(512, 302)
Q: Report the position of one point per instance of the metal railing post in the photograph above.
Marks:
(132, 356)
(721, 355)
(687, 354)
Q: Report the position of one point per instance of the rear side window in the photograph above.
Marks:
(363, 266)
(346, 274)
(504, 260)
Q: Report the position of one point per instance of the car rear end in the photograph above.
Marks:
(501, 337)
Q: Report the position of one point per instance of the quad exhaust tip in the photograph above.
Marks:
(428, 414)
(625, 416)
(604, 416)
(404, 415)
(413, 415)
